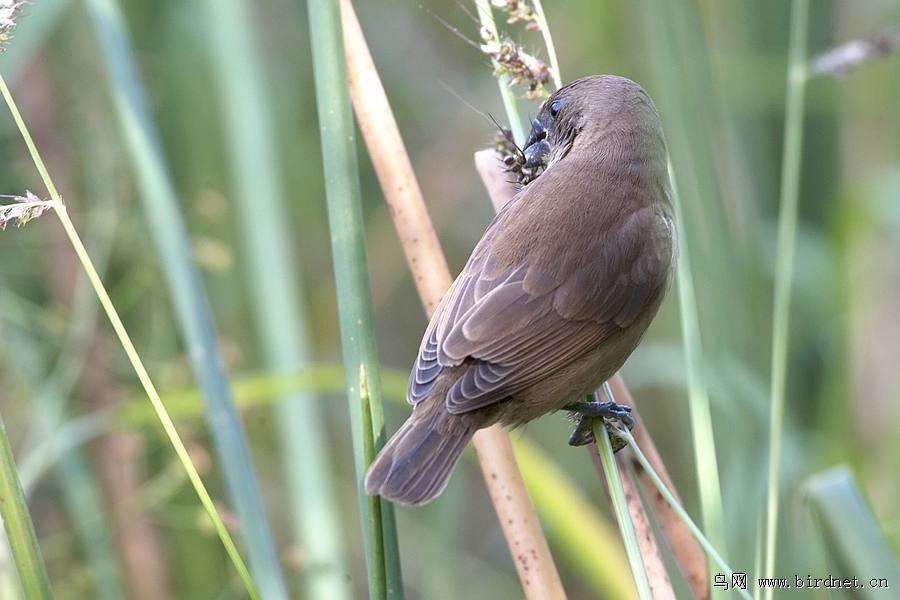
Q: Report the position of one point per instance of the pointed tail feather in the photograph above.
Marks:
(416, 463)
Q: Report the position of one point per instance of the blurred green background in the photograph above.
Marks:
(716, 71)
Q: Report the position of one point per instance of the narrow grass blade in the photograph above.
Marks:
(851, 535)
(548, 43)
(51, 383)
(620, 508)
(351, 278)
(698, 394)
(591, 543)
(191, 305)
(687, 552)
(19, 528)
(375, 524)
(250, 392)
(676, 506)
(784, 268)
(684, 72)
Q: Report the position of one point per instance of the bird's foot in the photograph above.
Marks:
(584, 414)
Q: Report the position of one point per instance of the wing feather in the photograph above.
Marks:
(513, 325)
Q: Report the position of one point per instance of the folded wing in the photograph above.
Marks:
(512, 326)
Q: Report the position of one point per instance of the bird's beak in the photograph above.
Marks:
(537, 148)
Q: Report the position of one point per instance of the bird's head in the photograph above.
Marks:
(585, 114)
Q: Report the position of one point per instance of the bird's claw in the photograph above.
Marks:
(585, 413)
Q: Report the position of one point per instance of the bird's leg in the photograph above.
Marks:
(585, 413)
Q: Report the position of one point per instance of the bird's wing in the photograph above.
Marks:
(514, 326)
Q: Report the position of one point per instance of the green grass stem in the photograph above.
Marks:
(345, 220)
(149, 387)
(555, 72)
(850, 532)
(682, 514)
(784, 268)
(698, 394)
(18, 525)
(375, 524)
(620, 508)
(486, 16)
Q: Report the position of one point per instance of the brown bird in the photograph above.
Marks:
(557, 293)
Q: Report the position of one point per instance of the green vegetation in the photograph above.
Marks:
(226, 138)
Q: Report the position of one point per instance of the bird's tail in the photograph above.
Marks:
(416, 463)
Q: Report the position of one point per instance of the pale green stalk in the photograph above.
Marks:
(698, 394)
(580, 532)
(784, 269)
(250, 392)
(13, 507)
(620, 508)
(758, 556)
(486, 16)
(79, 483)
(149, 387)
(682, 514)
(548, 43)
(18, 525)
(681, 98)
(375, 523)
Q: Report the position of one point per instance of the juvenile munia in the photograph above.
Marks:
(556, 295)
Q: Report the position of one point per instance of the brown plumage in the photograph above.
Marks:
(556, 295)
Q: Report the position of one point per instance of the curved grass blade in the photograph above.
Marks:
(852, 537)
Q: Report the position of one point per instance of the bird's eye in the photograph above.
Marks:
(555, 106)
